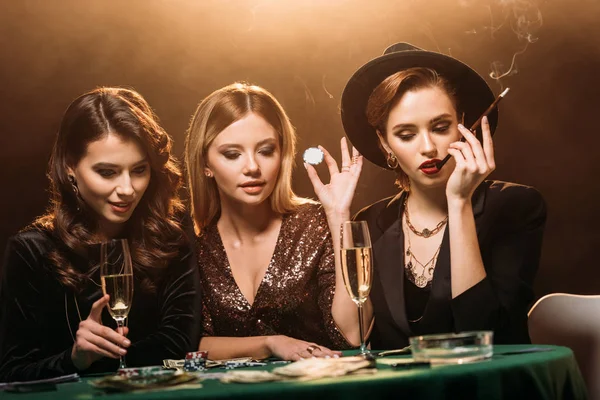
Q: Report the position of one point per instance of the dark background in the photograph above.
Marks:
(176, 52)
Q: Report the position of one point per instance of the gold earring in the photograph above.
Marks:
(75, 190)
(208, 174)
(74, 184)
(391, 161)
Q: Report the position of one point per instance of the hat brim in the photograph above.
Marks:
(473, 93)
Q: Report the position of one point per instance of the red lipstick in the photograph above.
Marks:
(429, 167)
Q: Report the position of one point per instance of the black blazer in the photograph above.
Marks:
(510, 220)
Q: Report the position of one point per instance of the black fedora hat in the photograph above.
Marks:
(473, 93)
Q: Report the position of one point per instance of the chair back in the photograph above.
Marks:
(572, 321)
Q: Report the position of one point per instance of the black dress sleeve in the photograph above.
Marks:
(179, 327)
(511, 257)
(22, 354)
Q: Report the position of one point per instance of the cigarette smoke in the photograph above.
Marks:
(522, 17)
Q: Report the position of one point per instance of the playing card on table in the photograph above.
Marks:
(124, 383)
(249, 377)
(316, 368)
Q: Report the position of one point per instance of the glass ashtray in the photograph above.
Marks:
(453, 348)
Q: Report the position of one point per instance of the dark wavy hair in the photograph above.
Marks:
(154, 230)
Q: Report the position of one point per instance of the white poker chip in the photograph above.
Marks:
(313, 156)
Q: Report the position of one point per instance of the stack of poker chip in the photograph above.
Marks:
(142, 371)
(195, 361)
(233, 364)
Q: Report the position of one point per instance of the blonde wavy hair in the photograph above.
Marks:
(215, 113)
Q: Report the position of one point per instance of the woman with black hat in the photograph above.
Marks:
(452, 251)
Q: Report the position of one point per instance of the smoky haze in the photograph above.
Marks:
(176, 52)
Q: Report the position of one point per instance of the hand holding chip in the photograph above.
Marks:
(336, 196)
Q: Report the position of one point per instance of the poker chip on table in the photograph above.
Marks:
(194, 364)
(232, 364)
(196, 354)
(195, 361)
(143, 371)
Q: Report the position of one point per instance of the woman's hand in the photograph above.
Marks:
(288, 348)
(473, 163)
(94, 341)
(336, 196)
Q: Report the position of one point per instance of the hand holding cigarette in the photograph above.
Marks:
(476, 124)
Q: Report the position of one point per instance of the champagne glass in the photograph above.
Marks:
(357, 268)
(116, 273)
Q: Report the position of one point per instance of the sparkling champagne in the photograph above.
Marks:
(120, 289)
(357, 272)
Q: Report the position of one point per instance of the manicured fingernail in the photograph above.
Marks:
(305, 166)
(461, 126)
(336, 356)
(485, 120)
(122, 351)
(327, 357)
(126, 342)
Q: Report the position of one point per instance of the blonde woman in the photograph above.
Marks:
(271, 279)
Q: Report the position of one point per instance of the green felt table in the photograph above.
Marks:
(551, 374)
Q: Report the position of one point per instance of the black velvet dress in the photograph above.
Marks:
(39, 316)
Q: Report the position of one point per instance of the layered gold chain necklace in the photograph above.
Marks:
(420, 274)
(425, 233)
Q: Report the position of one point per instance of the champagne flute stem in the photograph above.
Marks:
(361, 328)
(120, 326)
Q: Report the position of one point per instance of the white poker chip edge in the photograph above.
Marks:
(313, 156)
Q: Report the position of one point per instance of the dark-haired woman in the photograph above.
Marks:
(112, 175)
(452, 251)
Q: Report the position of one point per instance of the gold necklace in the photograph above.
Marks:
(420, 279)
(425, 233)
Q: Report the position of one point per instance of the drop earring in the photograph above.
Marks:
(75, 190)
(391, 161)
(74, 185)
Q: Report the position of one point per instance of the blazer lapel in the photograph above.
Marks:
(437, 314)
(388, 253)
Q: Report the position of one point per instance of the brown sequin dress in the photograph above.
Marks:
(295, 295)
